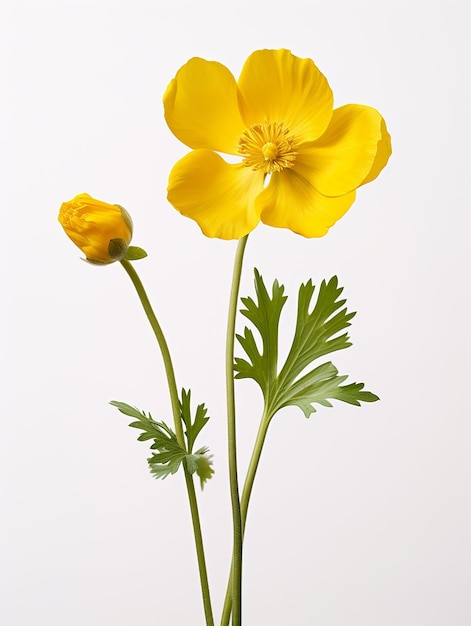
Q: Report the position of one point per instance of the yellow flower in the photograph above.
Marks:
(279, 119)
(102, 231)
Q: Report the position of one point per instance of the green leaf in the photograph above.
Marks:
(193, 427)
(169, 453)
(321, 385)
(199, 461)
(204, 464)
(318, 332)
(265, 316)
(127, 409)
(159, 470)
(133, 253)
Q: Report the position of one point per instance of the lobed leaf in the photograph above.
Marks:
(265, 316)
(322, 385)
(169, 454)
(193, 427)
(317, 332)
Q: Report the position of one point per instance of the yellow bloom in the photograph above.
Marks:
(279, 119)
(102, 231)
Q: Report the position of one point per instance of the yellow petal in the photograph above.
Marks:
(201, 106)
(219, 196)
(277, 86)
(383, 153)
(352, 151)
(290, 201)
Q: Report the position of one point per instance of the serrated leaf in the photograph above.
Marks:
(127, 409)
(162, 471)
(169, 453)
(321, 385)
(193, 427)
(192, 459)
(204, 468)
(199, 461)
(265, 316)
(318, 332)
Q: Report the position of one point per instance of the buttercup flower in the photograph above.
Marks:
(279, 119)
(102, 231)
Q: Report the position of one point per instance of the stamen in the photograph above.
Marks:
(268, 146)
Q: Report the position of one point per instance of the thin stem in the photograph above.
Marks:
(244, 503)
(175, 402)
(252, 469)
(231, 437)
(195, 518)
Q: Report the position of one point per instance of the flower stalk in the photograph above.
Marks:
(236, 570)
(175, 403)
(244, 505)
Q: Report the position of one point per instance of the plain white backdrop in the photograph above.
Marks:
(360, 517)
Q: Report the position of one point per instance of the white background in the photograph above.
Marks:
(360, 517)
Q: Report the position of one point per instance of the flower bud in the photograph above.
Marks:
(102, 231)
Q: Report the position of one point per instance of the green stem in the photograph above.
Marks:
(252, 469)
(167, 359)
(175, 402)
(236, 576)
(244, 503)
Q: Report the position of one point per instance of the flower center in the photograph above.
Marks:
(268, 146)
